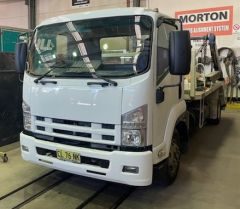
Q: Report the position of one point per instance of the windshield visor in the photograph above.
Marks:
(110, 47)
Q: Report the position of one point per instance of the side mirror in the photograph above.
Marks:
(179, 52)
(21, 57)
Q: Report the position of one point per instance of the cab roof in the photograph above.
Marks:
(99, 14)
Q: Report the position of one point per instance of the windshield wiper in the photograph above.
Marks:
(42, 76)
(113, 83)
(52, 68)
(93, 74)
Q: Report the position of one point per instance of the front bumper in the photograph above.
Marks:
(114, 172)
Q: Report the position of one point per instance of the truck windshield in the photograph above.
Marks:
(109, 47)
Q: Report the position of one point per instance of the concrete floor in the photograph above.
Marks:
(209, 177)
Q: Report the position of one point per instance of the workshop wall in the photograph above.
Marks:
(232, 40)
(14, 14)
(47, 9)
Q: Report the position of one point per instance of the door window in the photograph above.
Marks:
(163, 50)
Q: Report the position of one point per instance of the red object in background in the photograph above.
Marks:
(236, 27)
(217, 20)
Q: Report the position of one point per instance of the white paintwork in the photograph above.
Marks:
(139, 91)
(162, 110)
(117, 159)
(84, 102)
(175, 112)
(73, 99)
(99, 14)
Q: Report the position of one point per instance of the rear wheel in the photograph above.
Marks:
(167, 173)
(5, 159)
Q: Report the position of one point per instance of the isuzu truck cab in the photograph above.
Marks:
(103, 94)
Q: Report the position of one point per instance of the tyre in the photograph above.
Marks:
(166, 173)
(5, 159)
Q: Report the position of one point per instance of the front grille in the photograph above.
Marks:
(89, 145)
(102, 133)
(107, 137)
(73, 133)
(108, 126)
(41, 128)
(84, 160)
(71, 122)
(40, 118)
(76, 143)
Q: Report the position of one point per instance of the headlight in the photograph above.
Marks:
(134, 127)
(26, 116)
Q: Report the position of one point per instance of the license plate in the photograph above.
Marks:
(68, 156)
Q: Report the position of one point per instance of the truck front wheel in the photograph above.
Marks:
(167, 172)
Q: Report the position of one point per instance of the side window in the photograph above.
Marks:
(163, 50)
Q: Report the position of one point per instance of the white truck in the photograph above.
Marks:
(103, 95)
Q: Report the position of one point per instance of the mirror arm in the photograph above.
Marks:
(160, 92)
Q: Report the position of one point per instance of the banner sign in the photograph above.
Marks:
(80, 3)
(218, 20)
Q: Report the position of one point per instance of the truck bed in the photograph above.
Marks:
(199, 95)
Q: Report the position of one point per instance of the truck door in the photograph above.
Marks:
(162, 78)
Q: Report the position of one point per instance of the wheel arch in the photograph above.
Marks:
(177, 119)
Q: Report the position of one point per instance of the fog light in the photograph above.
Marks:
(25, 148)
(130, 169)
